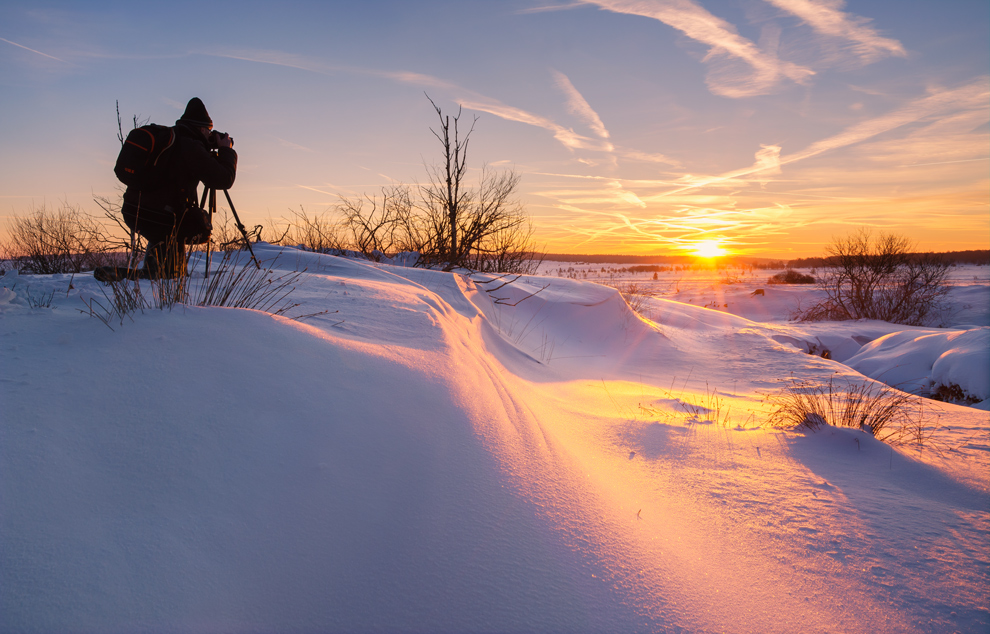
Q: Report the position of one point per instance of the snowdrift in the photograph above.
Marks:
(431, 457)
(925, 361)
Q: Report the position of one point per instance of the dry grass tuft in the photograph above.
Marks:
(891, 416)
(709, 408)
(236, 283)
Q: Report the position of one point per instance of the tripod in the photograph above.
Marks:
(210, 195)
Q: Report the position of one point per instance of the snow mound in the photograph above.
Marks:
(432, 453)
(922, 361)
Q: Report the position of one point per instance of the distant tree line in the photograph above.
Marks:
(981, 258)
(618, 259)
(655, 260)
(950, 257)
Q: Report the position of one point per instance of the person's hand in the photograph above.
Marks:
(224, 140)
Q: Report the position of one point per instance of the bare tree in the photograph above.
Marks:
(445, 192)
(447, 222)
(508, 251)
(878, 278)
(318, 232)
(386, 227)
(482, 227)
(497, 232)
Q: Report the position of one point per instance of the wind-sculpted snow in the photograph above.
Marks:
(427, 456)
(923, 360)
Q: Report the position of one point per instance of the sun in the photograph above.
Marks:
(709, 249)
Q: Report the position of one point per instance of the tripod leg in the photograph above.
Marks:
(241, 227)
(209, 241)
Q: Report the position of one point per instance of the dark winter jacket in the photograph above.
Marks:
(189, 163)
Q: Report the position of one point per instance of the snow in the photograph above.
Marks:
(921, 361)
(430, 457)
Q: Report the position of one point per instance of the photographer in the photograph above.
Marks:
(169, 216)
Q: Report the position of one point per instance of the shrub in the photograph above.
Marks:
(790, 276)
(952, 393)
(888, 414)
(867, 278)
(320, 232)
(63, 240)
(382, 227)
(634, 295)
(726, 278)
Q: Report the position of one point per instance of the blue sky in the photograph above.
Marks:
(639, 126)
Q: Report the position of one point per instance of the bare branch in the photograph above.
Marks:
(875, 278)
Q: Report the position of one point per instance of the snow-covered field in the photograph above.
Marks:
(429, 459)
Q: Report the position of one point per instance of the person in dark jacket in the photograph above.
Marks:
(169, 216)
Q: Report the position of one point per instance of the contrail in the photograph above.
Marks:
(34, 51)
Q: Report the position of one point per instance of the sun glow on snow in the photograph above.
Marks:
(709, 249)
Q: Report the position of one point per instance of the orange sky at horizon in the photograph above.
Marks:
(638, 127)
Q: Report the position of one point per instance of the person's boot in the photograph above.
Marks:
(174, 263)
(164, 260)
(107, 274)
(153, 257)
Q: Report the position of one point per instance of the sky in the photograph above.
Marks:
(637, 126)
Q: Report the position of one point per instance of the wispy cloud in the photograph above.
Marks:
(867, 91)
(33, 51)
(974, 95)
(827, 18)
(552, 7)
(292, 146)
(275, 58)
(767, 162)
(318, 190)
(416, 79)
(578, 105)
(301, 62)
(610, 192)
(471, 100)
(568, 137)
(971, 96)
(985, 158)
(646, 157)
(466, 98)
(680, 230)
(727, 48)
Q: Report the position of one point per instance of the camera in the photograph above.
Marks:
(215, 137)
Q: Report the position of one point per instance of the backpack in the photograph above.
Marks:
(141, 156)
